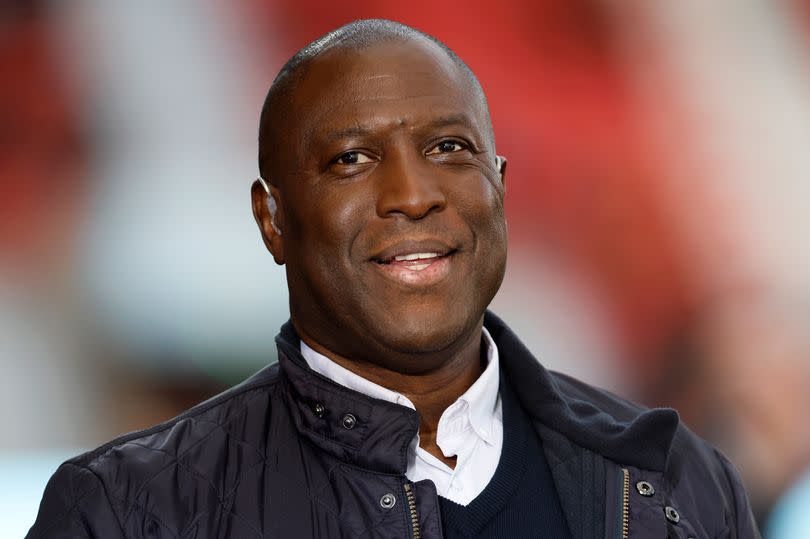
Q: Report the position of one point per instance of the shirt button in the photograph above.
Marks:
(349, 421)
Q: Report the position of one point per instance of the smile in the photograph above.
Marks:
(417, 268)
(415, 261)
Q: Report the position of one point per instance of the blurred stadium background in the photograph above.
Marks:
(658, 196)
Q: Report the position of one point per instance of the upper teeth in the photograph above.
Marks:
(416, 256)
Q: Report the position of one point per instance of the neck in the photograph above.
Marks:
(431, 392)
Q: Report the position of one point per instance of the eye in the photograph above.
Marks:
(447, 146)
(352, 158)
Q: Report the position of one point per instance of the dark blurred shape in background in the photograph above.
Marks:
(657, 201)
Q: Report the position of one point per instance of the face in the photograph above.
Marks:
(390, 205)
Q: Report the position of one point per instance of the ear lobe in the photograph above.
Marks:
(271, 234)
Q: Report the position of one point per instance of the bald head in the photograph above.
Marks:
(358, 35)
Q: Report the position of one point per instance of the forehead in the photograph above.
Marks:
(397, 82)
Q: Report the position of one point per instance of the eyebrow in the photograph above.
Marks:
(357, 130)
(360, 130)
(451, 120)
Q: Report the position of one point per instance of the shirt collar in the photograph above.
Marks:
(478, 402)
(481, 398)
(343, 376)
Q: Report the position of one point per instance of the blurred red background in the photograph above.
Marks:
(656, 197)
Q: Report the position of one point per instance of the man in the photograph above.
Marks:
(399, 406)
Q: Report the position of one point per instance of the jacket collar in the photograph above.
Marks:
(587, 416)
(381, 432)
(358, 429)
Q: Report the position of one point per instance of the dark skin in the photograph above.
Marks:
(383, 152)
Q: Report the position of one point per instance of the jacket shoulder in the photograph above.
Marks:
(194, 428)
(689, 462)
(187, 452)
(629, 417)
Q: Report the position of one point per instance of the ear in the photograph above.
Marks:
(500, 162)
(272, 235)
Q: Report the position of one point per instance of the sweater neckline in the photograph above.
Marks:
(508, 475)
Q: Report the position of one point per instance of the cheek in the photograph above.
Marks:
(321, 267)
(483, 211)
(482, 207)
(330, 221)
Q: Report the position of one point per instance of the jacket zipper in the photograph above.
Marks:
(625, 503)
(409, 495)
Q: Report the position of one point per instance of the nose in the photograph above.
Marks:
(408, 187)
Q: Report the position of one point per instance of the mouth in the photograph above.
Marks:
(414, 261)
(416, 264)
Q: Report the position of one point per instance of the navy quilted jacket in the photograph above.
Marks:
(289, 453)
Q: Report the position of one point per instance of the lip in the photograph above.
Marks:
(413, 246)
(413, 273)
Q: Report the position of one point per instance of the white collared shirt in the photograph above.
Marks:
(471, 428)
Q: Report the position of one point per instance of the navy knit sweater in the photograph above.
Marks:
(520, 499)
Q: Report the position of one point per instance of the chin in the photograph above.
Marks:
(419, 334)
